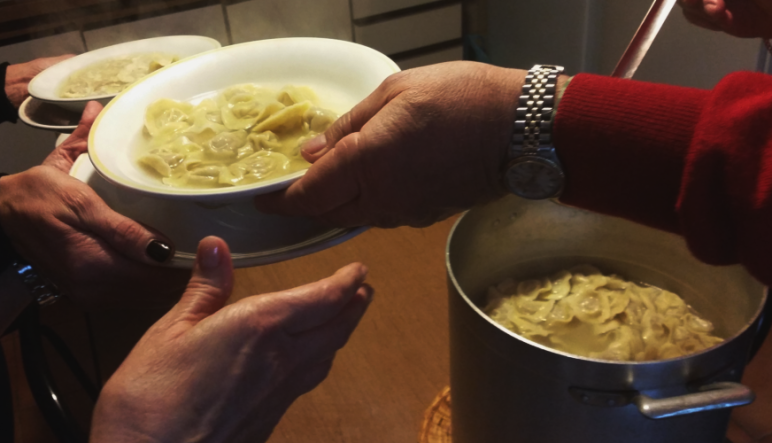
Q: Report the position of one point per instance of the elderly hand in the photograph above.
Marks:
(98, 257)
(741, 18)
(429, 142)
(209, 373)
(18, 76)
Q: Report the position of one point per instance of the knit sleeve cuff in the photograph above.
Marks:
(623, 143)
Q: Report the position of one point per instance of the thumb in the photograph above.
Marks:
(329, 184)
(348, 123)
(211, 282)
(76, 144)
(128, 237)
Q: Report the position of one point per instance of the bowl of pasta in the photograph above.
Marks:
(103, 73)
(228, 124)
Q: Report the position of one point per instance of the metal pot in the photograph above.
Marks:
(506, 388)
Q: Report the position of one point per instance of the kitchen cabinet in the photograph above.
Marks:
(262, 19)
(207, 21)
(367, 8)
(412, 31)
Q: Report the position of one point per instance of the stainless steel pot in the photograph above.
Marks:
(506, 388)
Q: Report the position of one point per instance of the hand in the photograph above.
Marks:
(18, 76)
(209, 373)
(98, 257)
(428, 143)
(741, 18)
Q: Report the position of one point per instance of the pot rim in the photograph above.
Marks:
(452, 277)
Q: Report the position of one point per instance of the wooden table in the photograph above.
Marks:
(383, 380)
(396, 361)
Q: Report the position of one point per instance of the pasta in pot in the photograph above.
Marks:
(245, 135)
(114, 75)
(584, 312)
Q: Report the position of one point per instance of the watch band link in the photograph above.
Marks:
(533, 121)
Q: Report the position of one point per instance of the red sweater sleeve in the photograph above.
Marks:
(689, 161)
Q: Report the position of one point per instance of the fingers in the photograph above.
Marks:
(315, 148)
(90, 113)
(713, 8)
(123, 234)
(50, 61)
(348, 123)
(322, 342)
(706, 10)
(349, 215)
(211, 282)
(40, 64)
(316, 304)
(308, 377)
(330, 183)
(699, 19)
(76, 144)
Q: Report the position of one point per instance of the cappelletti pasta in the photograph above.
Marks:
(114, 75)
(245, 135)
(584, 312)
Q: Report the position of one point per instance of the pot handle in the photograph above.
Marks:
(714, 396)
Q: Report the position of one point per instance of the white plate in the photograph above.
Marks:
(45, 86)
(341, 73)
(42, 115)
(254, 238)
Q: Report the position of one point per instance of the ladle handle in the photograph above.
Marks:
(643, 38)
(714, 396)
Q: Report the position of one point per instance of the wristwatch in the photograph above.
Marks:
(533, 170)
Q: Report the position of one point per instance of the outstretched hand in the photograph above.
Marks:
(209, 373)
(96, 256)
(741, 18)
(428, 143)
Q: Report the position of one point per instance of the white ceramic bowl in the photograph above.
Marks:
(45, 86)
(255, 239)
(341, 73)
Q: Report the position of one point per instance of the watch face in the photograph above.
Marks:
(534, 178)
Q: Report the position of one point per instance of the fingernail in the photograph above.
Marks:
(315, 145)
(159, 251)
(209, 254)
(369, 292)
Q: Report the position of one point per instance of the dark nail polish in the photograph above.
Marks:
(159, 251)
